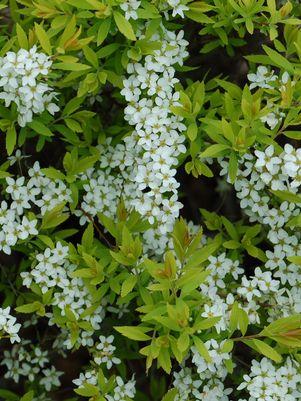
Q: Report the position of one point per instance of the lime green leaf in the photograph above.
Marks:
(43, 38)
(40, 128)
(54, 217)
(287, 196)
(71, 66)
(128, 285)
(124, 26)
(134, 332)
(202, 350)
(22, 37)
(264, 349)
(10, 139)
(103, 31)
(28, 396)
(215, 150)
(29, 308)
(279, 60)
(171, 395)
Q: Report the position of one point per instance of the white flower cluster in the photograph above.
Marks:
(224, 272)
(208, 386)
(31, 362)
(157, 138)
(8, 326)
(53, 270)
(265, 79)
(178, 7)
(22, 75)
(23, 195)
(216, 367)
(277, 282)
(142, 170)
(122, 391)
(130, 8)
(219, 267)
(260, 284)
(105, 352)
(268, 382)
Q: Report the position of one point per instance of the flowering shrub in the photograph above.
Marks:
(150, 200)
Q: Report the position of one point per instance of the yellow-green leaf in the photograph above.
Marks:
(124, 26)
(43, 38)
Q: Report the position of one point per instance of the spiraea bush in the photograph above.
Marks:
(150, 200)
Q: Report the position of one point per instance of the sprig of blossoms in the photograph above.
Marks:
(277, 282)
(121, 391)
(142, 169)
(105, 352)
(150, 93)
(22, 82)
(53, 270)
(265, 79)
(32, 362)
(22, 195)
(8, 325)
(269, 382)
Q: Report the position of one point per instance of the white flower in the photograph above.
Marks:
(262, 78)
(51, 378)
(122, 390)
(106, 352)
(8, 325)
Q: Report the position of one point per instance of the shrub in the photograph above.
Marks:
(150, 204)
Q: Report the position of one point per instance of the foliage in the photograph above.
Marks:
(106, 110)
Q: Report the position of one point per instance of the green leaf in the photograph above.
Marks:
(293, 134)
(28, 396)
(233, 167)
(201, 255)
(8, 395)
(202, 350)
(54, 217)
(279, 60)
(170, 395)
(71, 66)
(10, 139)
(124, 26)
(103, 30)
(53, 173)
(87, 390)
(183, 342)
(72, 106)
(215, 150)
(164, 359)
(43, 38)
(13, 10)
(287, 196)
(134, 332)
(238, 319)
(283, 325)
(207, 323)
(192, 279)
(22, 37)
(40, 128)
(91, 56)
(264, 349)
(128, 285)
(192, 131)
(29, 308)
(88, 236)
